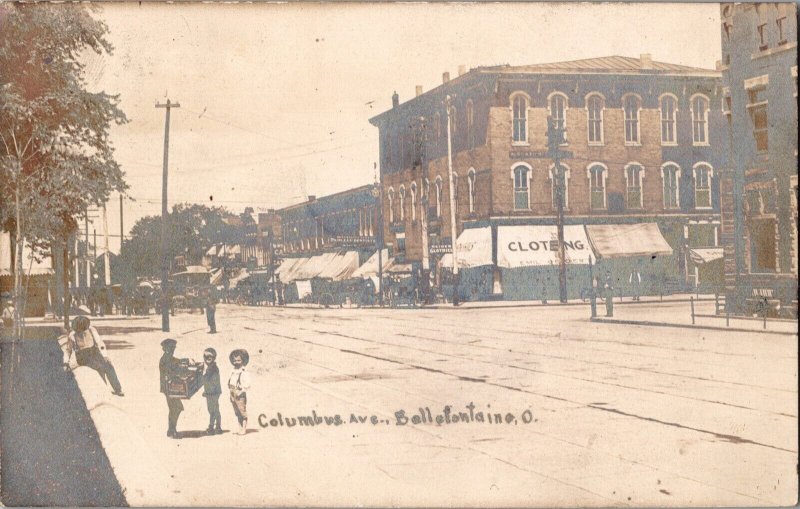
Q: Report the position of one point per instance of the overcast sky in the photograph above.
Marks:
(275, 99)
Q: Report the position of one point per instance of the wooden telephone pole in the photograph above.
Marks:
(164, 231)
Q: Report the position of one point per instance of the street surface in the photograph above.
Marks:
(600, 414)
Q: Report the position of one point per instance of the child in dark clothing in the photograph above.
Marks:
(212, 389)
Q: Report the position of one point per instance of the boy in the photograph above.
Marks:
(167, 367)
(238, 383)
(212, 389)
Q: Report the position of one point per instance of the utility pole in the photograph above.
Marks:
(121, 222)
(106, 255)
(555, 137)
(164, 232)
(86, 252)
(423, 218)
(453, 227)
(377, 193)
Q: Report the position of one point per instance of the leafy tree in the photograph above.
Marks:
(55, 156)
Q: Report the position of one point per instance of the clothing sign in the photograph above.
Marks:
(526, 246)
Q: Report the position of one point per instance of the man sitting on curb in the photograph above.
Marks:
(88, 348)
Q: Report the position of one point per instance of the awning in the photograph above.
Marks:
(216, 276)
(705, 255)
(341, 266)
(230, 250)
(397, 268)
(303, 288)
(288, 274)
(620, 240)
(314, 266)
(474, 249)
(370, 267)
(212, 251)
(530, 245)
(193, 269)
(241, 276)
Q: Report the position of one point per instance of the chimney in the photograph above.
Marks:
(395, 100)
(419, 90)
(462, 69)
(445, 77)
(312, 197)
(646, 61)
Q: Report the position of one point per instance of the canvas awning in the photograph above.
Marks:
(289, 273)
(620, 240)
(212, 251)
(370, 267)
(397, 268)
(303, 288)
(314, 266)
(216, 276)
(241, 276)
(537, 245)
(706, 254)
(474, 249)
(341, 266)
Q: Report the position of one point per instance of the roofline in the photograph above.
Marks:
(340, 193)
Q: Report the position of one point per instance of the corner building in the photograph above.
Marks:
(645, 143)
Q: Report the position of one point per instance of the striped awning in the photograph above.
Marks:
(621, 240)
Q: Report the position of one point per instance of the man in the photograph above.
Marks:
(635, 280)
(89, 349)
(167, 367)
(211, 309)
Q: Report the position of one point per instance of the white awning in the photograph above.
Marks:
(474, 249)
(341, 266)
(706, 255)
(370, 267)
(241, 276)
(232, 249)
(529, 245)
(393, 267)
(620, 240)
(289, 274)
(303, 288)
(212, 251)
(216, 276)
(314, 266)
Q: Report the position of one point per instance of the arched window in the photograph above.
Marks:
(597, 186)
(470, 126)
(633, 184)
(669, 107)
(558, 111)
(554, 187)
(519, 107)
(438, 185)
(631, 105)
(413, 201)
(671, 176)
(700, 120)
(471, 189)
(390, 197)
(521, 174)
(702, 185)
(402, 196)
(594, 107)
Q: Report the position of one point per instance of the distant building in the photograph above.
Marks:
(647, 143)
(759, 74)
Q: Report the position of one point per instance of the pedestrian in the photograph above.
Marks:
(167, 367)
(212, 389)
(238, 383)
(609, 294)
(8, 315)
(211, 310)
(635, 281)
(89, 349)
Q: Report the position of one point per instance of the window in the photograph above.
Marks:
(438, 185)
(669, 108)
(437, 126)
(470, 133)
(700, 120)
(762, 37)
(757, 107)
(521, 189)
(455, 188)
(597, 186)
(471, 189)
(554, 185)
(520, 122)
(633, 185)
(670, 175)
(558, 111)
(727, 28)
(390, 197)
(594, 105)
(781, 23)
(453, 123)
(413, 201)
(402, 196)
(630, 104)
(762, 245)
(702, 186)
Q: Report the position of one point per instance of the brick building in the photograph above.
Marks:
(759, 74)
(647, 142)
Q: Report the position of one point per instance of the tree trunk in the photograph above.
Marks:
(66, 278)
(18, 261)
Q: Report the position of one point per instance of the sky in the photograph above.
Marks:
(275, 98)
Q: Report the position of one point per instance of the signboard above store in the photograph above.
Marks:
(437, 249)
(353, 240)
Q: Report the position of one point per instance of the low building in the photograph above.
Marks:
(645, 145)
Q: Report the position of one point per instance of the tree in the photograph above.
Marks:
(55, 156)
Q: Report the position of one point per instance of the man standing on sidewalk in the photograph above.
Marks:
(211, 309)
(167, 367)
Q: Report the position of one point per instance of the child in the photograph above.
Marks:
(167, 367)
(212, 389)
(238, 383)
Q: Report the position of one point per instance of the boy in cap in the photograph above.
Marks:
(212, 389)
(168, 366)
(238, 383)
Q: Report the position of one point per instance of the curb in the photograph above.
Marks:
(687, 326)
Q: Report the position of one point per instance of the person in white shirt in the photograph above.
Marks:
(238, 384)
(635, 281)
(85, 343)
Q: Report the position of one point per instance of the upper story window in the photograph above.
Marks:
(390, 197)
(633, 184)
(438, 190)
(597, 186)
(595, 105)
(413, 201)
(631, 105)
(702, 186)
(558, 111)
(781, 25)
(519, 108)
(521, 187)
(757, 106)
(470, 124)
(557, 189)
(402, 196)
(454, 189)
(762, 37)
(700, 120)
(669, 109)
(437, 126)
(670, 176)
(471, 189)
